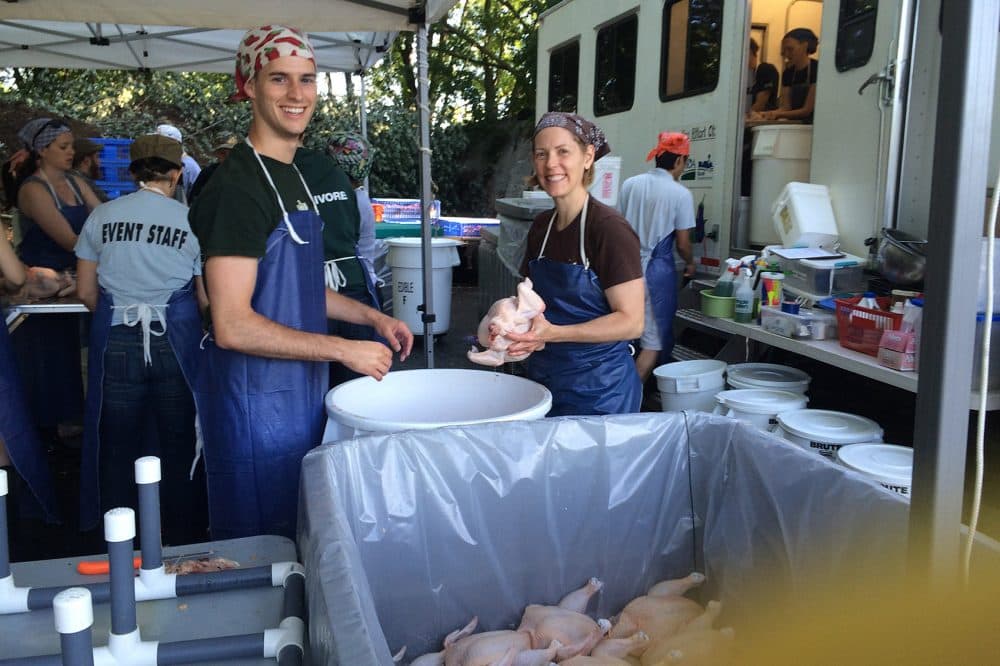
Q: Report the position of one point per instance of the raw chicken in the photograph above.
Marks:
(661, 614)
(584, 660)
(201, 565)
(437, 658)
(496, 648)
(577, 600)
(577, 633)
(41, 282)
(512, 314)
(696, 648)
(620, 648)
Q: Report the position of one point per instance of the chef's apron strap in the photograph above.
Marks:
(583, 224)
(332, 275)
(284, 212)
(143, 313)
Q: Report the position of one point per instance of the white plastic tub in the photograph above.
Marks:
(888, 464)
(767, 376)
(690, 384)
(405, 259)
(780, 154)
(824, 432)
(426, 399)
(758, 407)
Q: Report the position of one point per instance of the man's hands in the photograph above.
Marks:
(374, 358)
(396, 333)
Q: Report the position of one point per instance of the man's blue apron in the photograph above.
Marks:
(261, 415)
(183, 324)
(18, 433)
(661, 284)
(584, 378)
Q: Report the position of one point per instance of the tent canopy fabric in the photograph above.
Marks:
(195, 35)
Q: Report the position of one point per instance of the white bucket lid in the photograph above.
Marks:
(768, 375)
(761, 401)
(410, 242)
(888, 463)
(830, 427)
(690, 376)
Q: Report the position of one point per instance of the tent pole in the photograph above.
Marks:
(968, 63)
(426, 200)
(363, 108)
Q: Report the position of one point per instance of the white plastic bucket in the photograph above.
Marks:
(888, 464)
(405, 259)
(758, 407)
(824, 432)
(690, 384)
(426, 399)
(803, 216)
(781, 154)
(767, 376)
(607, 179)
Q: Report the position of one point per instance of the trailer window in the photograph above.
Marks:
(564, 77)
(690, 47)
(855, 33)
(614, 66)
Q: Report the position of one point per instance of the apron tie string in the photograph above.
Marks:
(335, 278)
(143, 313)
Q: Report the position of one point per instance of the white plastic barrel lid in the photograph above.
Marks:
(763, 401)
(830, 427)
(767, 375)
(888, 462)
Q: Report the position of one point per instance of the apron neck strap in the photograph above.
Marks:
(583, 229)
(281, 204)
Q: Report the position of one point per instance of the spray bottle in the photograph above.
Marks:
(727, 282)
(744, 299)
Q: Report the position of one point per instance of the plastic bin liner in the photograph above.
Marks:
(406, 536)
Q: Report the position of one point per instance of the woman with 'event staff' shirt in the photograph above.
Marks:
(583, 258)
(139, 271)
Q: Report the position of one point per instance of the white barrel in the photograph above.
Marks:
(781, 155)
(406, 260)
(888, 464)
(824, 432)
(767, 376)
(758, 407)
(690, 384)
(426, 399)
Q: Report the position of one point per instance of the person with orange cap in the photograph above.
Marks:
(661, 211)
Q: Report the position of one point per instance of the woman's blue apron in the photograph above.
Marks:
(261, 415)
(661, 284)
(18, 433)
(38, 249)
(183, 323)
(584, 378)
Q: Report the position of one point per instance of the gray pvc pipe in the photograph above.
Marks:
(290, 655)
(41, 597)
(4, 545)
(206, 649)
(73, 612)
(293, 603)
(230, 579)
(77, 648)
(119, 531)
(147, 479)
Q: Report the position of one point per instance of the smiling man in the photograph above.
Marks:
(264, 369)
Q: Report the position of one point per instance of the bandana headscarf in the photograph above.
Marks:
(352, 153)
(581, 128)
(40, 132)
(677, 143)
(260, 46)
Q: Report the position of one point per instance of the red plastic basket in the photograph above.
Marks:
(861, 328)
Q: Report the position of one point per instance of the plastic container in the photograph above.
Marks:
(743, 305)
(860, 328)
(467, 227)
(767, 376)
(888, 464)
(690, 384)
(758, 407)
(405, 210)
(824, 432)
(803, 216)
(781, 155)
(607, 179)
(425, 399)
(825, 277)
(113, 148)
(807, 323)
(717, 306)
(405, 259)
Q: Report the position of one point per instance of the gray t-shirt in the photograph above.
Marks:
(144, 249)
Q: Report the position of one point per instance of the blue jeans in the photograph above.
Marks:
(148, 410)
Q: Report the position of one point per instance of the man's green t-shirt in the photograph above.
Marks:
(338, 206)
(238, 209)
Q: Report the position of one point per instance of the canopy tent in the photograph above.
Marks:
(195, 35)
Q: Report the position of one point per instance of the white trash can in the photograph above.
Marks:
(425, 399)
(690, 384)
(407, 281)
(781, 155)
(758, 407)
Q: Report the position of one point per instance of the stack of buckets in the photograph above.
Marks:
(772, 398)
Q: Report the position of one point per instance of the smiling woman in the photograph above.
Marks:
(583, 258)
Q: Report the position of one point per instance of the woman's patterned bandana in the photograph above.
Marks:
(260, 46)
(581, 128)
(40, 132)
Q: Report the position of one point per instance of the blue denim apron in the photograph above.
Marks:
(661, 283)
(37, 247)
(183, 329)
(18, 433)
(584, 378)
(259, 416)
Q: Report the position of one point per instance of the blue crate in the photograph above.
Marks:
(116, 171)
(467, 227)
(115, 189)
(113, 149)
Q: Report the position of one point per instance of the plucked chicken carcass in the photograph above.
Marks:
(508, 315)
